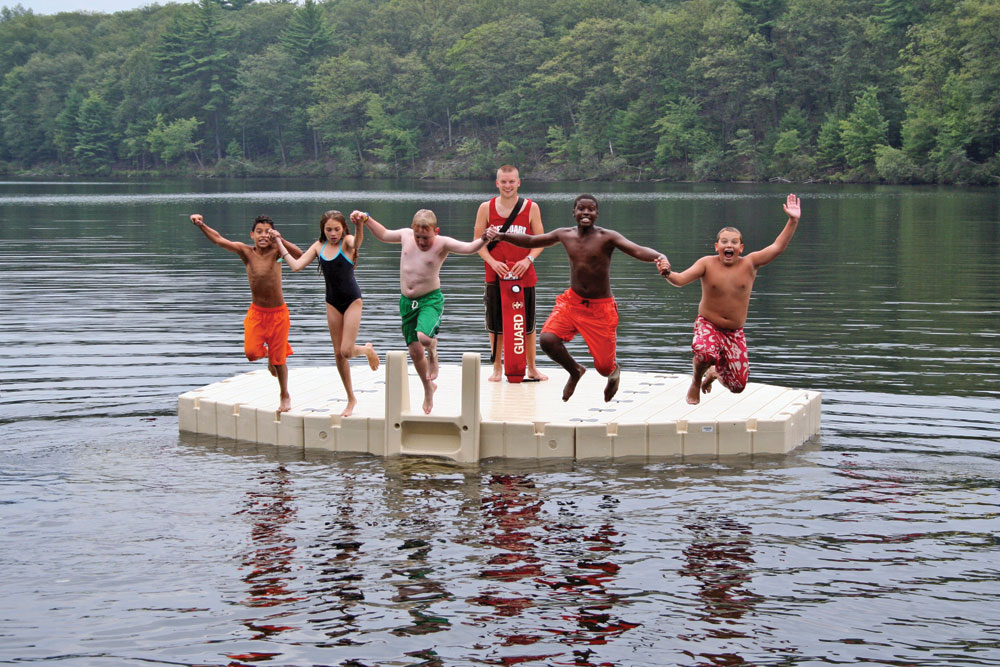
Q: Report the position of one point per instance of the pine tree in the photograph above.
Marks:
(196, 56)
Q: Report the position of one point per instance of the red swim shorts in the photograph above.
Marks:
(726, 349)
(594, 319)
(265, 334)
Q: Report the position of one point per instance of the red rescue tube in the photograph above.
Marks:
(514, 329)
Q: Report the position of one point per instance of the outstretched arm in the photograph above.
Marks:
(292, 249)
(377, 228)
(688, 275)
(482, 221)
(641, 253)
(531, 240)
(300, 262)
(793, 209)
(468, 248)
(218, 239)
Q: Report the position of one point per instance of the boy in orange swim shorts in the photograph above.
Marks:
(587, 307)
(265, 328)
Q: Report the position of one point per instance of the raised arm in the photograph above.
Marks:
(218, 239)
(359, 237)
(377, 228)
(793, 209)
(688, 275)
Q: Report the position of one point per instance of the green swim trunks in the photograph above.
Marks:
(422, 314)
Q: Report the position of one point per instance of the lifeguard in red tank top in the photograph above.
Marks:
(505, 252)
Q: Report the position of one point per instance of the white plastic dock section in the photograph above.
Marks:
(475, 419)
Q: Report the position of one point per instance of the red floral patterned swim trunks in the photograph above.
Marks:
(726, 349)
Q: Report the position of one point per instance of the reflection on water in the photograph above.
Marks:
(720, 558)
(125, 542)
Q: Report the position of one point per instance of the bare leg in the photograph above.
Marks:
(430, 345)
(372, 356)
(340, 326)
(281, 372)
(421, 365)
(694, 391)
(344, 334)
(711, 375)
(533, 372)
(496, 343)
(556, 349)
(614, 379)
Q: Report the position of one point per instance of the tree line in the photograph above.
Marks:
(899, 91)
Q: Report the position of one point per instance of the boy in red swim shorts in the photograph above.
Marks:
(265, 328)
(587, 307)
(719, 346)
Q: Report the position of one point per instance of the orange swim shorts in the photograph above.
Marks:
(265, 334)
(594, 319)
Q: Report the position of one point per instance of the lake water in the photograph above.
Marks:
(125, 542)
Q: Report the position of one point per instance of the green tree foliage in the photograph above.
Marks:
(95, 135)
(171, 141)
(864, 130)
(196, 60)
(876, 90)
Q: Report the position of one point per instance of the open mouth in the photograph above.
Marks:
(729, 253)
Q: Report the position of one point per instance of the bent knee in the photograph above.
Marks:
(605, 368)
(549, 341)
(735, 386)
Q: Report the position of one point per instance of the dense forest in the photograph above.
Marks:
(896, 91)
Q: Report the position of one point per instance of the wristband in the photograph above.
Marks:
(531, 259)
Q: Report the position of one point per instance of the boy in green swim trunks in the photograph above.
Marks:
(421, 301)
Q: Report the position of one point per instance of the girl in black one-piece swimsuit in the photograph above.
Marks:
(343, 296)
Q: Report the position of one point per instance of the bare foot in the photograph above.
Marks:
(286, 404)
(571, 382)
(429, 398)
(432, 363)
(535, 374)
(694, 393)
(611, 388)
(349, 410)
(372, 357)
(711, 375)
(497, 375)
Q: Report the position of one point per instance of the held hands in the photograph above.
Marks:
(489, 234)
(793, 207)
(359, 217)
(196, 219)
(663, 265)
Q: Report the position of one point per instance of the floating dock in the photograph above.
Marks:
(476, 419)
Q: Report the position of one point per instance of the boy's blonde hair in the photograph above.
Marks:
(425, 219)
(729, 229)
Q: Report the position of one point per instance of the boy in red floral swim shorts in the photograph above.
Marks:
(719, 346)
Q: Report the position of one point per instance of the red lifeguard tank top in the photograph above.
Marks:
(506, 252)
